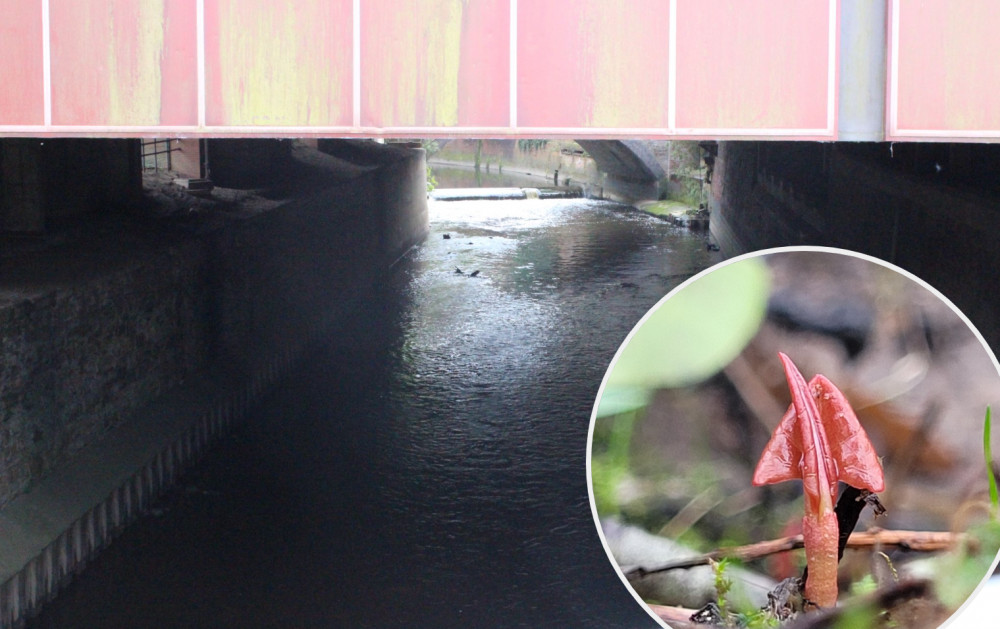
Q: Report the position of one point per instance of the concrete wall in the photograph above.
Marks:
(22, 208)
(79, 354)
(247, 163)
(119, 365)
(186, 160)
(51, 180)
(934, 210)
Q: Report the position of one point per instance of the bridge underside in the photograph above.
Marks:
(784, 69)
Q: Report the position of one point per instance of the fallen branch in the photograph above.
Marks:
(673, 615)
(919, 541)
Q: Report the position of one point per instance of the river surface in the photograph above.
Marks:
(426, 466)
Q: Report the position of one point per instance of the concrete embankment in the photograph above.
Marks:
(129, 347)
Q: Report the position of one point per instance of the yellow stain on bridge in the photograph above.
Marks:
(624, 95)
(413, 54)
(282, 64)
(134, 52)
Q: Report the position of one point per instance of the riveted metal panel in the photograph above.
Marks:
(123, 62)
(435, 63)
(756, 67)
(944, 78)
(278, 63)
(21, 98)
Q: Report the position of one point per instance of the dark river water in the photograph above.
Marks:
(426, 467)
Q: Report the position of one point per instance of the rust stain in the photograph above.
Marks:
(279, 63)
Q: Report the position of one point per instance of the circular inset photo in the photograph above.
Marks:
(799, 437)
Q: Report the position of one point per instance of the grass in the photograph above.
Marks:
(989, 465)
(666, 208)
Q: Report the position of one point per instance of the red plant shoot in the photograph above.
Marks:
(820, 441)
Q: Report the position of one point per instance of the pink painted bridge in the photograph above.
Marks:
(726, 69)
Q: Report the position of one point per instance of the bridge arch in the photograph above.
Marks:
(631, 171)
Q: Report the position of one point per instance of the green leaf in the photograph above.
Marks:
(989, 464)
(959, 572)
(609, 463)
(616, 400)
(696, 331)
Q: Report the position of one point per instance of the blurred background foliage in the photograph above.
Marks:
(686, 339)
(690, 336)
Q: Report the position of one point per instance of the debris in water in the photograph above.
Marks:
(474, 273)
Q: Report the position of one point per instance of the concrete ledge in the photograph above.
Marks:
(52, 532)
(505, 194)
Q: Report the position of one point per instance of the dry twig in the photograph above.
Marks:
(920, 541)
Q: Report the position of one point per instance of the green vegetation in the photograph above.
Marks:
(431, 146)
(531, 145)
(722, 585)
(959, 572)
(667, 208)
(431, 180)
(610, 468)
(987, 450)
(690, 336)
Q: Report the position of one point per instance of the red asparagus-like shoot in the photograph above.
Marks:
(819, 441)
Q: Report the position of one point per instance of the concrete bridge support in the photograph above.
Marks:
(929, 208)
(124, 354)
